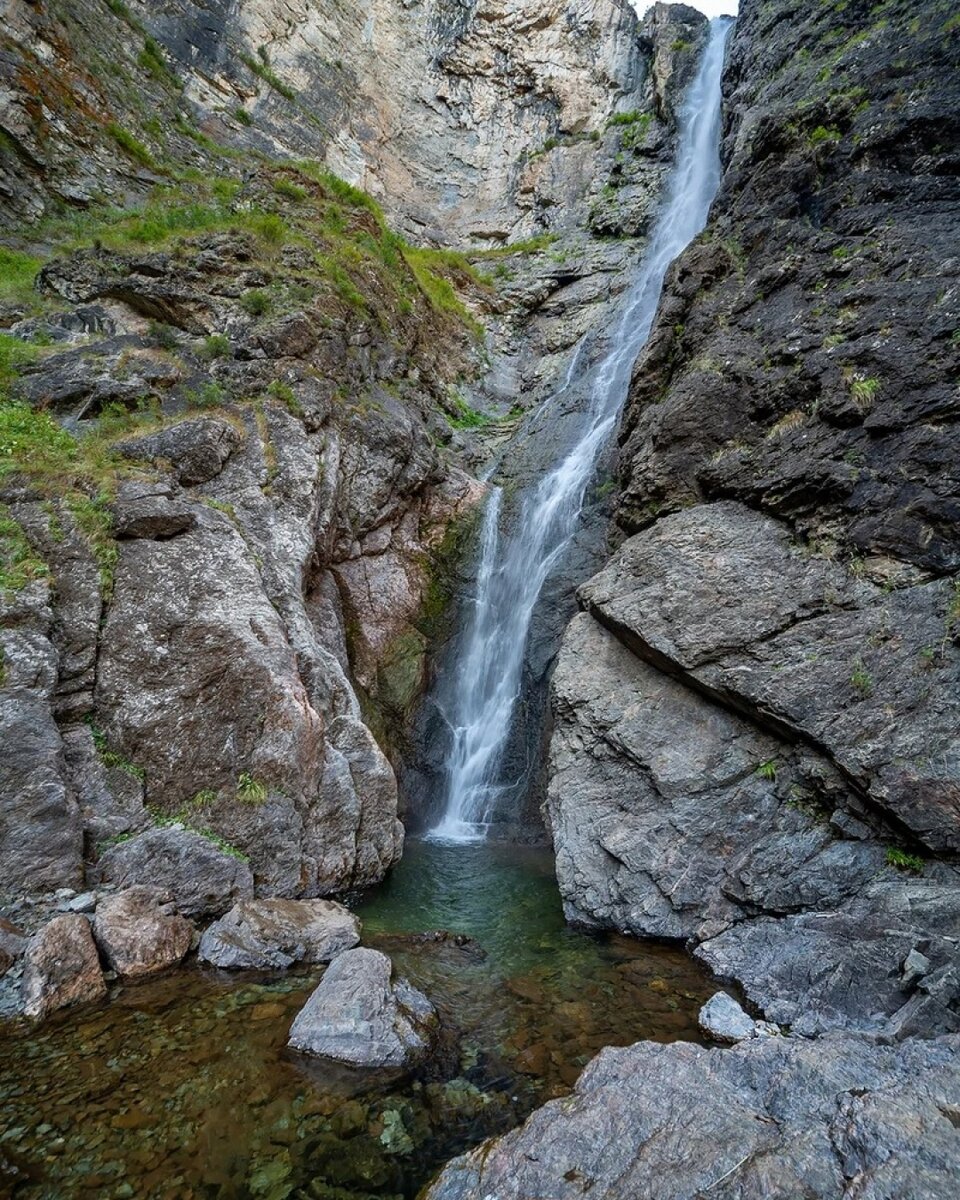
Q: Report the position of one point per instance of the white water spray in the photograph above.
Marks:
(514, 566)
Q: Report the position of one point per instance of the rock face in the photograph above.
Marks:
(723, 1020)
(61, 967)
(772, 1117)
(756, 716)
(259, 934)
(202, 879)
(359, 1014)
(139, 933)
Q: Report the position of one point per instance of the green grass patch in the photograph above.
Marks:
(264, 71)
(95, 522)
(17, 273)
(131, 145)
(904, 861)
(20, 564)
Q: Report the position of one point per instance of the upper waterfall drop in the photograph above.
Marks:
(514, 566)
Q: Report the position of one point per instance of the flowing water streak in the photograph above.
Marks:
(514, 565)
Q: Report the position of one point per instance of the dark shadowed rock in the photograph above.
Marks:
(360, 1014)
(196, 449)
(278, 933)
(13, 942)
(61, 967)
(151, 510)
(201, 878)
(835, 1117)
(139, 932)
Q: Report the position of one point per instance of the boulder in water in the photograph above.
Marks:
(139, 933)
(359, 1014)
(61, 967)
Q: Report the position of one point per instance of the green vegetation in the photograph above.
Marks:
(33, 443)
(95, 521)
(250, 790)
(217, 345)
(823, 134)
(264, 71)
(290, 190)
(904, 861)
(131, 145)
(110, 758)
(255, 302)
(864, 392)
(17, 273)
(19, 562)
(278, 390)
(151, 59)
(860, 678)
(241, 115)
(768, 770)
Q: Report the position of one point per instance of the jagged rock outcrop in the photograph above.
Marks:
(836, 1117)
(755, 746)
(61, 967)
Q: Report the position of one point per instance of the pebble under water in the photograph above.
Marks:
(182, 1087)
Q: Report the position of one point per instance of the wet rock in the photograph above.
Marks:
(201, 878)
(278, 933)
(770, 1117)
(139, 932)
(61, 967)
(361, 1015)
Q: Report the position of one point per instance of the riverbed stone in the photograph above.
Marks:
(201, 878)
(139, 932)
(362, 1015)
(723, 1020)
(837, 1116)
(61, 967)
(261, 934)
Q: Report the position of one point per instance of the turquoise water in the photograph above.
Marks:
(183, 1088)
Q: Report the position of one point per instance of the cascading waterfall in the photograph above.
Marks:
(514, 566)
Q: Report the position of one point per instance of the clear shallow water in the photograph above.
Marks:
(183, 1088)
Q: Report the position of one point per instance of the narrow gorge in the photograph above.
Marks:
(479, 600)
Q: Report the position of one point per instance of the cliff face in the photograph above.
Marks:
(757, 714)
(235, 400)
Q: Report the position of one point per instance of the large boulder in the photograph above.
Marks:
(772, 1117)
(278, 933)
(139, 933)
(61, 967)
(202, 878)
(359, 1014)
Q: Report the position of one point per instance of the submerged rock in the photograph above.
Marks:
(140, 933)
(61, 967)
(360, 1014)
(278, 933)
(202, 878)
(838, 1116)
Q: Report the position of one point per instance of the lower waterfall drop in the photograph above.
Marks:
(514, 566)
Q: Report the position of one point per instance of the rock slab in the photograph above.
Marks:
(140, 933)
(61, 967)
(835, 1117)
(262, 934)
(202, 878)
(359, 1014)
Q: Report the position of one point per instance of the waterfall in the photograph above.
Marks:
(514, 565)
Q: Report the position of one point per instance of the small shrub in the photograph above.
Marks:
(151, 59)
(250, 790)
(203, 799)
(768, 770)
(269, 228)
(241, 115)
(255, 302)
(210, 395)
(284, 393)
(822, 134)
(860, 678)
(217, 345)
(95, 521)
(904, 861)
(265, 72)
(863, 392)
(17, 273)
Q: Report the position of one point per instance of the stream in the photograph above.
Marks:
(182, 1088)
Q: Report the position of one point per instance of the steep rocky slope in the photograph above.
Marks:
(757, 716)
(237, 405)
